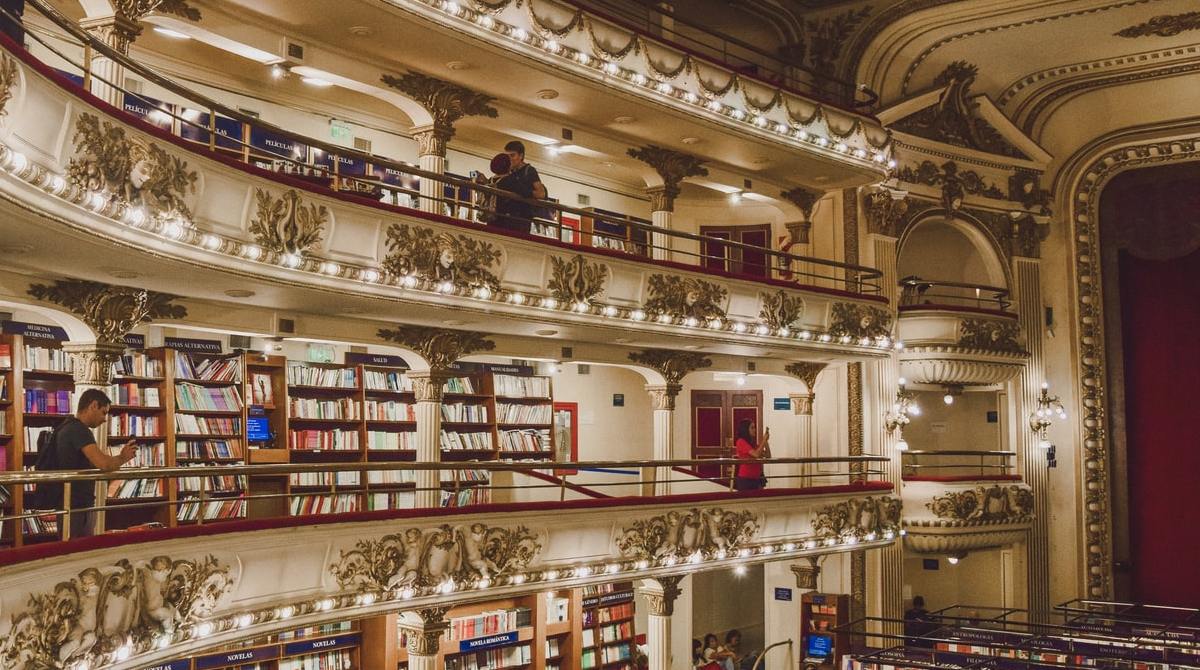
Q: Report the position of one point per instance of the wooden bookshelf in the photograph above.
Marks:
(607, 631)
(10, 445)
(32, 375)
(139, 414)
(820, 614)
(334, 646)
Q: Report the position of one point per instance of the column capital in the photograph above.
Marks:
(672, 167)
(662, 396)
(424, 629)
(445, 101)
(798, 231)
(432, 139)
(661, 598)
(807, 574)
(802, 403)
(110, 311)
(885, 210)
(429, 385)
(806, 371)
(440, 347)
(122, 27)
(671, 364)
(92, 361)
(803, 198)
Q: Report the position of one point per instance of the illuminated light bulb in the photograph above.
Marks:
(825, 337)
(409, 281)
(244, 621)
(583, 58)
(637, 315)
(743, 553)
(665, 318)
(781, 128)
(446, 287)
(612, 568)
(735, 197)
(163, 641)
(790, 546)
(870, 537)
(845, 339)
(767, 549)
(805, 335)
(642, 564)
(291, 260)
(330, 268)
(888, 535)
(901, 445)
(485, 583)
(123, 652)
(173, 230)
(948, 399)
(486, 21)
(810, 544)
(451, 7)
(551, 575)
(866, 341)
(407, 594)
(664, 88)
(483, 293)
(714, 105)
(371, 275)
(822, 141)
(691, 322)
(831, 542)
(885, 342)
(901, 381)
(695, 558)
(612, 68)
(204, 629)
(549, 303)
(903, 532)
(609, 310)
(851, 540)
(669, 562)
(518, 579)
(721, 554)
(211, 242)
(739, 114)
(952, 560)
(367, 599)
(639, 79)
(252, 252)
(690, 97)
(914, 409)
(583, 571)
(715, 324)
(891, 164)
(802, 134)
(859, 153)
(899, 345)
(761, 329)
(135, 216)
(741, 380)
(552, 46)
(840, 146)
(582, 307)
(325, 605)
(739, 570)
(285, 612)
(760, 121)
(520, 34)
(739, 327)
(517, 298)
(1044, 444)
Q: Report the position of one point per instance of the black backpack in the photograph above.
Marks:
(47, 495)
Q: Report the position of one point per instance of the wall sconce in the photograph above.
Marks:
(1048, 407)
(952, 392)
(902, 409)
(957, 556)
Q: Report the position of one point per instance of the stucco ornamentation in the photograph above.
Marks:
(680, 535)
(285, 224)
(858, 518)
(439, 257)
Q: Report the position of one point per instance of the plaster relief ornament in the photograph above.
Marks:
(684, 297)
(780, 310)
(858, 518)
(984, 505)
(427, 559)
(858, 321)
(129, 170)
(990, 335)
(576, 281)
(9, 76)
(110, 311)
(103, 609)
(682, 534)
(440, 257)
(285, 225)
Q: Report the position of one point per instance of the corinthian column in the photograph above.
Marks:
(118, 30)
(423, 630)
(802, 408)
(799, 233)
(660, 594)
(446, 103)
(673, 167)
(673, 366)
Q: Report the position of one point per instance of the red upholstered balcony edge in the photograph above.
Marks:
(956, 308)
(963, 478)
(299, 184)
(108, 541)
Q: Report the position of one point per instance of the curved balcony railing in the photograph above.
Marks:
(958, 465)
(332, 492)
(918, 293)
(209, 126)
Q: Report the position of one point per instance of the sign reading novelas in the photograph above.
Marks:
(323, 644)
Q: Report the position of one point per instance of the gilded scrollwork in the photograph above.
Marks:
(984, 505)
(285, 224)
(956, 184)
(806, 371)
(990, 335)
(682, 534)
(576, 281)
(445, 101)
(780, 310)
(672, 365)
(885, 210)
(437, 256)
(857, 321)
(103, 609)
(858, 518)
(955, 118)
(110, 311)
(440, 347)
(128, 169)
(9, 76)
(684, 296)
(1163, 25)
(672, 167)
(429, 558)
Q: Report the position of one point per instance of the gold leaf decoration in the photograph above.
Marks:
(680, 535)
(780, 310)
(441, 256)
(990, 335)
(984, 505)
(685, 296)
(858, 321)
(110, 311)
(441, 347)
(286, 225)
(9, 75)
(576, 280)
(858, 518)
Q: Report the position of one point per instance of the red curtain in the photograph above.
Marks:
(1160, 315)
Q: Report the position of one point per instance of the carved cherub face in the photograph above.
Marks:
(140, 173)
(412, 535)
(89, 580)
(446, 257)
(478, 528)
(866, 321)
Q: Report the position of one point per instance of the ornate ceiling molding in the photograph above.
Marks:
(445, 101)
(942, 540)
(803, 198)
(711, 533)
(1163, 25)
(672, 365)
(1088, 68)
(956, 185)
(955, 118)
(1095, 170)
(110, 311)
(806, 371)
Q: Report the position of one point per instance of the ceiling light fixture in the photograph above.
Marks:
(173, 34)
(316, 81)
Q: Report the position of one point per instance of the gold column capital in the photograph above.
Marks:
(110, 311)
(662, 600)
(673, 167)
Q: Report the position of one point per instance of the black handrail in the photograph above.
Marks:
(918, 291)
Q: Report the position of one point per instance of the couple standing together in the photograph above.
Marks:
(514, 175)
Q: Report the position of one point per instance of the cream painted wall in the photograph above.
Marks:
(723, 600)
(934, 250)
(978, 580)
(962, 425)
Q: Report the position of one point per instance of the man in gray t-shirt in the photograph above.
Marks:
(76, 449)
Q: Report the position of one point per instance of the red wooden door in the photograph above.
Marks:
(714, 418)
(736, 259)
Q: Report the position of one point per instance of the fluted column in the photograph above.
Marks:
(431, 152)
(428, 388)
(672, 167)
(424, 629)
(660, 594)
(802, 407)
(662, 403)
(108, 76)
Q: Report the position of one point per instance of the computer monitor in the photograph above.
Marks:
(818, 646)
(258, 426)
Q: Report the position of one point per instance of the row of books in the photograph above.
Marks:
(207, 425)
(48, 401)
(489, 623)
(526, 440)
(40, 525)
(323, 440)
(313, 408)
(53, 360)
(492, 659)
(338, 659)
(323, 630)
(5, 356)
(323, 504)
(208, 449)
(135, 425)
(389, 410)
(475, 495)
(553, 647)
(136, 488)
(134, 395)
(459, 385)
(518, 413)
(3, 423)
(392, 500)
(324, 479)
(454, 441)
(387, 381)
(464, 412)
(463, 475)
(208, 369)
(614, 632)
(207, 398)
(3, 387)
(137, 364)
(600, 615)
(217, 508)
(307, 375)
(387, 441)
(383, 477)
(213, 483)
(146, 455)
(521, 387)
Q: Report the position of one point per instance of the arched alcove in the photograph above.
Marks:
(938, 248)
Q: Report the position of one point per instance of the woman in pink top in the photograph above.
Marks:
(749, 476)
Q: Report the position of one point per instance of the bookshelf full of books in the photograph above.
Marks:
(328, 646)
(10, 455)
(325, 424)
(525, 416)
(138, 415)
(44, 386)
(607, 630)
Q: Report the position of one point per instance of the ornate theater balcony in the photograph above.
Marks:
(187, 201)
(224, 577)
(958, 334)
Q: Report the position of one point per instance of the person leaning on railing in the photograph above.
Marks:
(73, 447)
(749, 476)
(522, 179)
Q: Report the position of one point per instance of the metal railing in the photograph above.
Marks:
(210, 126)
(215, 493)
(739, 55)
(960, 462)
(915, 291)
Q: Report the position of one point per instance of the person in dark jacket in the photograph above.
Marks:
(522, 179)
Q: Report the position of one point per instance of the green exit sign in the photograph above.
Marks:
(339, 130)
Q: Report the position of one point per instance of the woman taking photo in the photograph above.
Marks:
(749, 476)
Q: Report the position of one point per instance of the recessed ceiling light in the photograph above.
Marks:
(608, 164)
(316, 81)
(547, 94)
(239, 293)
(361, 31)
(173, 34)
(545, 332)
(624, 119)
(760, 160)
(622, 340)
(690, 140)
(821, 178)
(458, 65)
